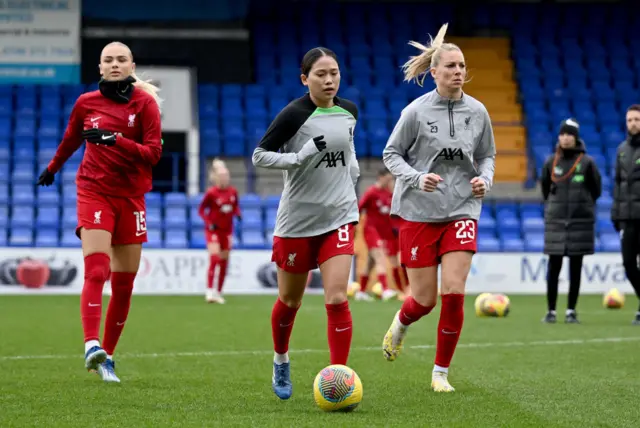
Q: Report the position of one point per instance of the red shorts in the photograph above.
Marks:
(300, 255)
(222, 237)
(423, 244)
(374, 239)
(123, 217)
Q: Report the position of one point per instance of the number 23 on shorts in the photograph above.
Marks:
(465, 231)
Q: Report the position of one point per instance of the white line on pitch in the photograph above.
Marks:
(314, 351)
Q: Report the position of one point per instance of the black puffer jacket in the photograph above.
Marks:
(626, 190)
(571, 185)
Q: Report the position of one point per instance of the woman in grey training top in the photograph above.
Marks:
(442, 153)
(311, 140)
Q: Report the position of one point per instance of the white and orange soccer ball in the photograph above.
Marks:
(352, 289)
(337, 388)
(613, 299)
(492, 305)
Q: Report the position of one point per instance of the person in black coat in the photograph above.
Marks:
(625, 211)
(571, 185)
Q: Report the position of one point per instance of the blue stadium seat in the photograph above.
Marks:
(197, 238)
(46, 238)
(175, 199)
(252, 220)
(48, 217)
(69, 217)
(4, 217)
(195, 200)
(154, 238)
(253, 239)
(610, 242)
(175, 217)
(47, 196)
(534, 242)
(154, 217)
(21, 237)
(153, 199)
(488, 245)
(22, 216)
(532, 225)
(69, 239)
(175, 238)
(195, 219)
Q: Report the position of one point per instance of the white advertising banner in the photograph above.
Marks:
(164, 271)
(40, 41)
(175, 89)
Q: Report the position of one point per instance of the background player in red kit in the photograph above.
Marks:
(217, 209)
(378, 233)
(122, 126)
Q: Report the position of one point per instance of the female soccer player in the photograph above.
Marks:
(442, 152)
(311, 140)
(571, 185)
(378, 233)
(217, 209)
(121, 124)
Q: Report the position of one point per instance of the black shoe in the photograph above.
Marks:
(550, 318)
(571, 318)
(636, 320)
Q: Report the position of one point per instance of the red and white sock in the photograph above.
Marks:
(96, 272)
(222, 273)
(213, 262)
(339, 332)
(411, 311)
(449, 328)
(282, 319)
(118, 310)
(397, 278)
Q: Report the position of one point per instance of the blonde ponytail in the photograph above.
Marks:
(148, 87)
(218, 164)
(417, 67)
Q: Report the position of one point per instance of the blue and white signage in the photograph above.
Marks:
(40, 41)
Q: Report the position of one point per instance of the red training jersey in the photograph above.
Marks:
(376, 201)
(218, 207)
(123, 169)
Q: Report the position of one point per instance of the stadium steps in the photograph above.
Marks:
(491, 71)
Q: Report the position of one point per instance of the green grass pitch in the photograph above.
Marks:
(184, 363)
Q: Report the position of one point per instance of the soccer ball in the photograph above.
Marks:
(352, 289)
(480, 304)
(337, 388)
(614, 299)
(494, 305)
(376, 290)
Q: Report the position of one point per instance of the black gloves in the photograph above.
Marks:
(99, 136)
(45, 179)
(320, 143)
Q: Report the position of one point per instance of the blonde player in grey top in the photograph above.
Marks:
(311, 141)
(442, 152)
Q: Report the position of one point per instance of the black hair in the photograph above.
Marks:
(634, 107)
(314, 55)
(383, 171)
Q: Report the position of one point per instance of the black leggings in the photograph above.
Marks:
(630, 247)
(553, 273)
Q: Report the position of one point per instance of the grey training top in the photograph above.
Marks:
(451, 138)
(319, 187)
